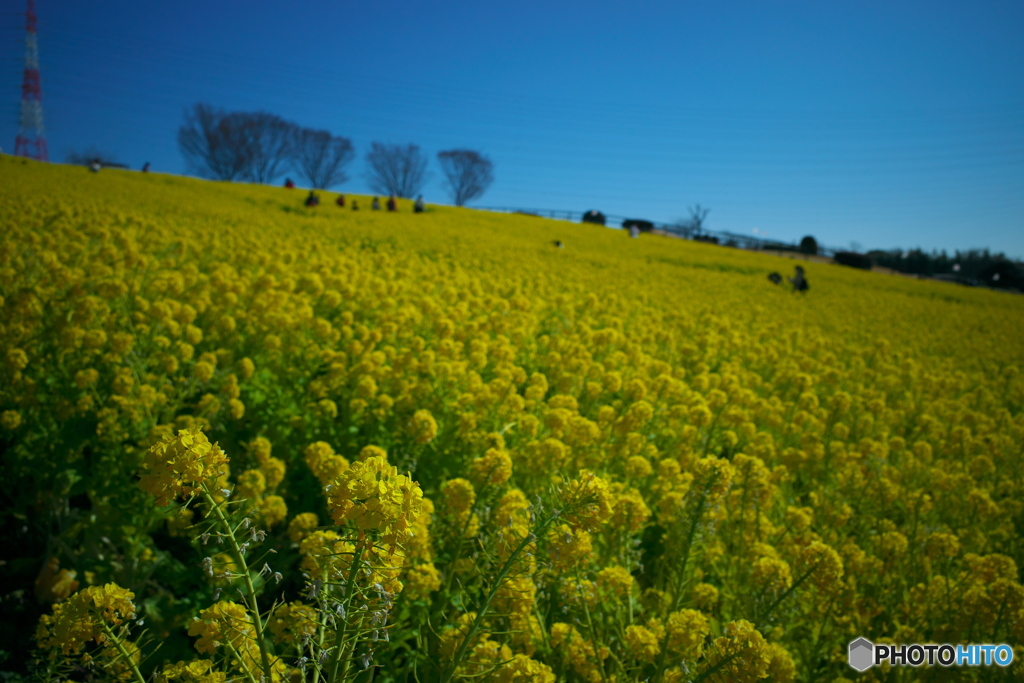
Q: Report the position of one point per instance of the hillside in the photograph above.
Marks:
(471, 453)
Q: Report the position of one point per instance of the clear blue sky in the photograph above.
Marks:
(885, 123)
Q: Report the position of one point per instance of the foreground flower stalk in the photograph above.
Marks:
(124, 654)
(449, 671)
(342, 655)
(238, 557)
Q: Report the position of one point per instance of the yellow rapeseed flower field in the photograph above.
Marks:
(245, 440)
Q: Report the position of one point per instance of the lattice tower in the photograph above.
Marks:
(31, 140)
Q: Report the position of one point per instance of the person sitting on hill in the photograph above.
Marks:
(798, 281)
(340, 201)
(392, 203)
(375, 204)
(289, 183)
(355, 205)
(312, 199)
(419, 206)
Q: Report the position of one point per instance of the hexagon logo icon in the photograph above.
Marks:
(862, 654)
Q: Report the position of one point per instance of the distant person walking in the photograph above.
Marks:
(419, 206)
(355, 205)
(289, 183)
(634, 231)
(375, 204)
(145, 167)
(392, 203)
(798, 281)
(312, 199)
(340, 201)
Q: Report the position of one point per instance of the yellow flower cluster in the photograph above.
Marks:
(292, 621)
(179, 465)
(494, 468)
(421, 580)
(741, 653)
(686, 632)
(712, 451)
(423, 427)
(374, 496)
(195, 671)
(325, 555)
(53, 583)
(588, 501)
(325, 464)
(580, 653)
(643, 643)
(226, 627)
(457, 499)
(86, 616)
(302, 525)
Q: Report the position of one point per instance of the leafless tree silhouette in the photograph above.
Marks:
(213, 142)
(697, 217)
(694, 225)
(320, 157)
(268, 140)
(400, 170)
(468, 173)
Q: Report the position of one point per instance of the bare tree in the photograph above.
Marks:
(268, 141)
(214, 143)
(320, 157)
(689, 227)
(697, 217)
(468, 173)
(400, 170)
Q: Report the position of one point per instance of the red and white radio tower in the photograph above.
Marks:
(31, 140)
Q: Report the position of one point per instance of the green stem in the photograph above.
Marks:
(459, 541)
(677, 589)
(339, 639)
(714, 669)
(124, 653)
(789, 591)
(346, 658)
(241, 662)
(319, 643)
(593, 637)
(698, 513)
(449, 670)
(239, 559)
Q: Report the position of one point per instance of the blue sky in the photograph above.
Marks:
(888, 124)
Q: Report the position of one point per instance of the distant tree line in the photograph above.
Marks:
(260, 147)
(974, 266)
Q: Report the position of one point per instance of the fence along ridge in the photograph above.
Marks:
(744, 241)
